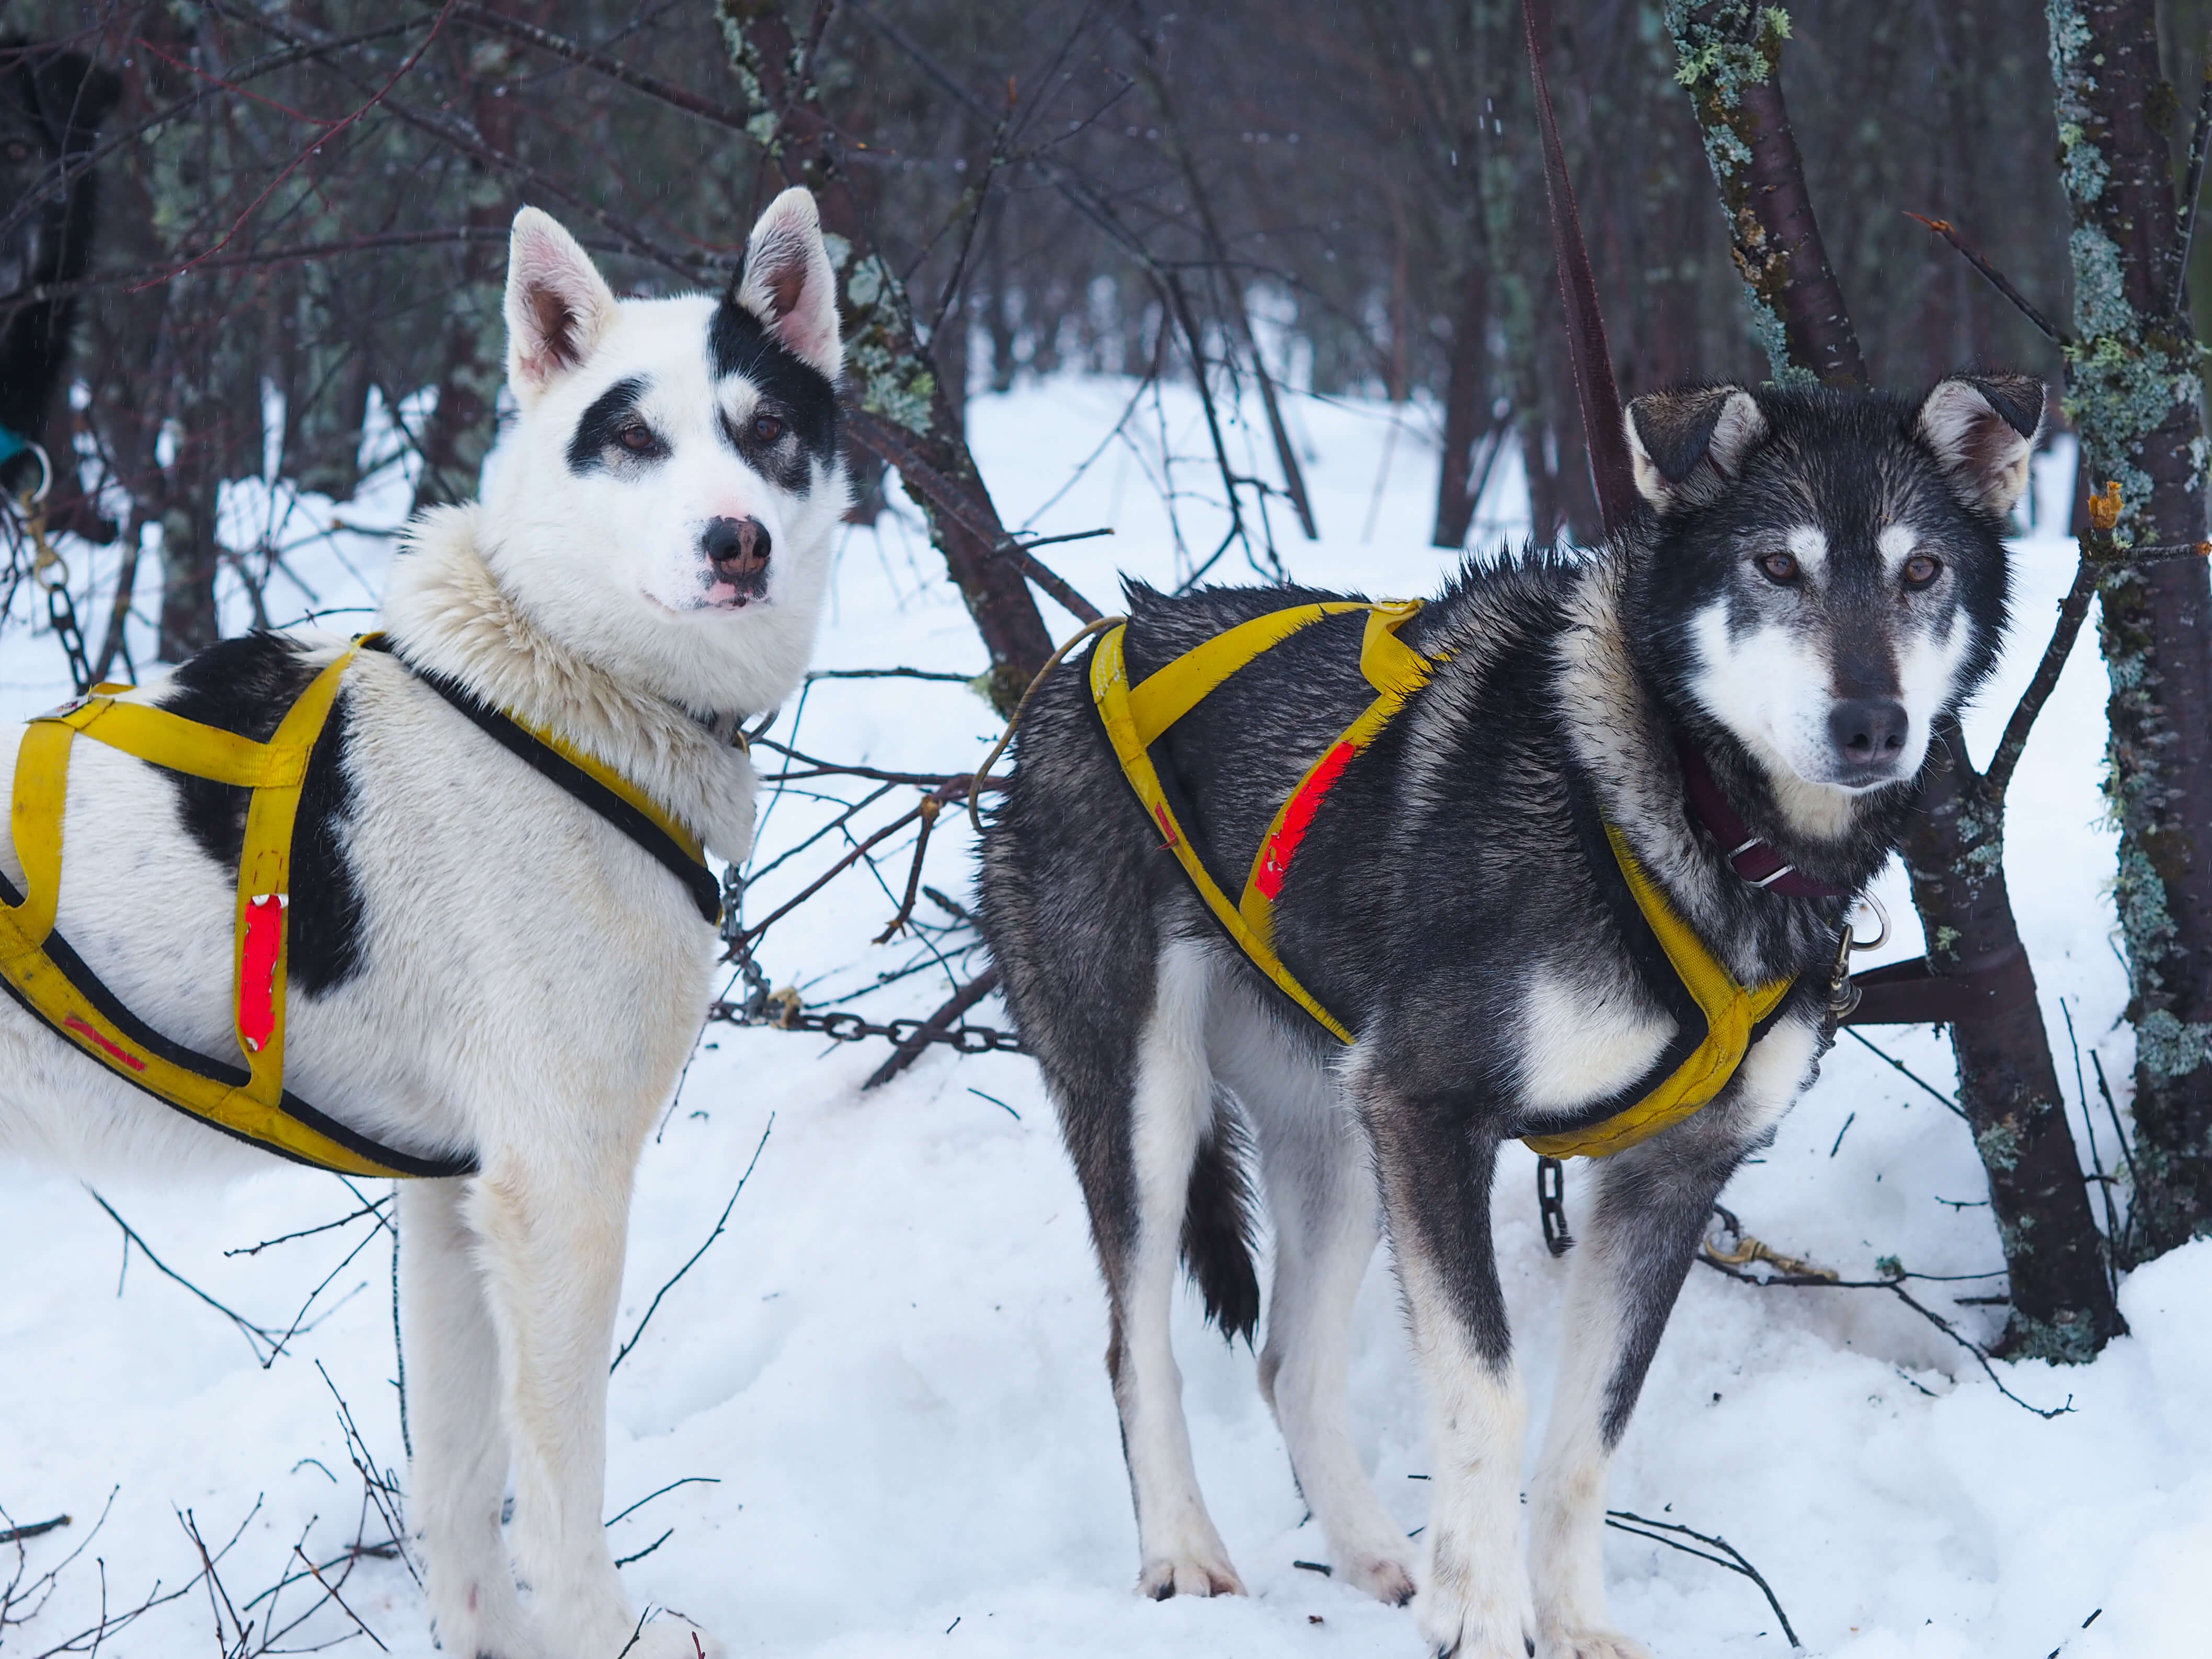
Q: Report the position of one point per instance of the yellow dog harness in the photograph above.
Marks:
(1717, 1019)
(39, 969)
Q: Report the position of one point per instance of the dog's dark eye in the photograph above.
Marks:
(1778, 568)
(1921, 570)
(636, 437)
(767, 428)
(19, 151)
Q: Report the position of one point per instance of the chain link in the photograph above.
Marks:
(1552, 1205)
(50, 573)
(783, 1013)
(782, 1010)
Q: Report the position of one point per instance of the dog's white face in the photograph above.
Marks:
(1833, 578)
(666, 500)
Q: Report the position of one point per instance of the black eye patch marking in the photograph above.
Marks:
(612, 428)
(788, 390)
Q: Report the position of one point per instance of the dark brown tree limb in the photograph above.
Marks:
(1730, 52)
(1996, 278)
(897, 406)
(1612, 476)
(943, 1020)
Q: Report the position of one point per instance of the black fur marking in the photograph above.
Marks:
(594, 444)
(786, 386)
(1216, 1225)
(246, 686)
(2018, 398)
(1677, 427)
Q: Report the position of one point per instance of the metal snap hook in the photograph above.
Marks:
(1880, 915)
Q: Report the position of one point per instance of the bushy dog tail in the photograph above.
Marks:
(1217, 1224)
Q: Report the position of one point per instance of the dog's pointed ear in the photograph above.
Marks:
(1983, 430)
(558, 306)
(787, 283)
(1671, 433)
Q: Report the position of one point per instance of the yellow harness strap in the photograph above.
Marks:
(255, 1110)
(1730, 1010)
(1136, 717)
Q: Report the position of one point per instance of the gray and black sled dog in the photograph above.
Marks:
(1581, 856)
(477, 947)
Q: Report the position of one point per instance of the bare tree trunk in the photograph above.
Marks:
(896, 404)
(1466, 407)
(1538, 465)
(2062, 1301)
(2133, 390)
(472, 365)
(191, 485)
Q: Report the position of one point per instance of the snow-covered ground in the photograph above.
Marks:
(883, 1383)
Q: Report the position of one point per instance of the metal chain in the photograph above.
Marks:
(1552, 1205)
(784, 1014)
(50, 573)
(782, 1010)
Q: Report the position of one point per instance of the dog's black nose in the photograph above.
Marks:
(738, 547)
(1868, 730)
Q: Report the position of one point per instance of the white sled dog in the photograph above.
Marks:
(494, 938)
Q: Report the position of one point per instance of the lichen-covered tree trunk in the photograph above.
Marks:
(2062, 1305)
(896, 404)
(2133, 390)
(1730, 53)
(2062, 1302)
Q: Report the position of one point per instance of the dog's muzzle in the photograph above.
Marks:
(1868, 736)
(737, 552)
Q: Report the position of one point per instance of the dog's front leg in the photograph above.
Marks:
(1435, 1170)
(553, 1244)
(459, 1454)
(1636, 1246)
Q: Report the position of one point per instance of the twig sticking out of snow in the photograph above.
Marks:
(1731, 1557)
(1801, 1275)
(16, 1535)
(721, 1222)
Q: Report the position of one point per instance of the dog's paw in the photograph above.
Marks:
(1189, 1573)
(1453, 1626)
(1553, 1643)
(1385, 1578)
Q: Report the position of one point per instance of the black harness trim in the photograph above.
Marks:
(91, 987)
(517, 739)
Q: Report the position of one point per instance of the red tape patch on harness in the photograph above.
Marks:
(257, 969)
(100, 1040)
(1297, 817)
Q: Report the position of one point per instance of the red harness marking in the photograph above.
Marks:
(1297, 817)
(1166, 828)
(91, 1034)
(257, 969)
